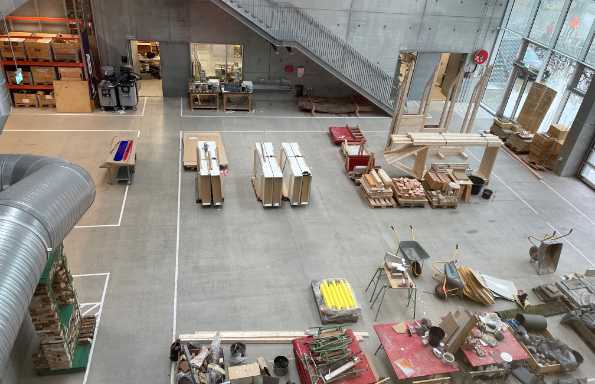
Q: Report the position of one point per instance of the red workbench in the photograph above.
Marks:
(509, 345)
(301, 347)
(408, 356)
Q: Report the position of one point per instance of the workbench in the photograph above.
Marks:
(301, 348)
(230, 105)
(406, 283)
(509, 345)
(203, 100)
(121, 166)
(409, 358)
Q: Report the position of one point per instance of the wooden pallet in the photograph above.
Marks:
(383, 202)
(443, 205)
(23, 105)
(411, 203)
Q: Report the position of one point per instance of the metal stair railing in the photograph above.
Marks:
(288, 25)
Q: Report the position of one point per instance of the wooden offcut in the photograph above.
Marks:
(267, 177)
(297, 177)
(72, 96)
(209, 185)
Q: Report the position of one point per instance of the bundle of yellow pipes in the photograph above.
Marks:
(337, 294)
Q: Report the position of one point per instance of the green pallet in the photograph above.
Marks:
(79, 362)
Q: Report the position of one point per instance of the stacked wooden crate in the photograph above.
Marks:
(13, 48)
(66, 49)
(443, 199)
(43, 75)
(545, 148)
(441, 191)
(267, 178)
(209, 186)
(535, 107)
(297, 177)
(378, 190)
(409, 192)
(520, 142)
(55, 315)
(39, 49)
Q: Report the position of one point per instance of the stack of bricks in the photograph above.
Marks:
(56, 317)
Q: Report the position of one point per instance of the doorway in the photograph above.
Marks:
(217, 61)
(146, 61)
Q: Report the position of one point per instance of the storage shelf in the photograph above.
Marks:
(44, 63)
(31, 87)
(44, 19)
(38, 37)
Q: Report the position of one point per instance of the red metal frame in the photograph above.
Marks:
(37, 37)
(44, 19)
(31, 87)
(43, 63)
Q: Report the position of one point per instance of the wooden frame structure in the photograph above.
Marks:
(419, 144)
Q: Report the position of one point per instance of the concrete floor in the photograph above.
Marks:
(172, 267)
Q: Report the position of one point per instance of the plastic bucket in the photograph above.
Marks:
(281, 365)
(477, 186)
(435, 336)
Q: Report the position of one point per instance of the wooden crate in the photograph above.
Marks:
(46, 100)
(538, 368)
(39, 50)
(66, 50)
(43, 75)
(25, 99)
(17, 51)
(11, 77)
(67, 73)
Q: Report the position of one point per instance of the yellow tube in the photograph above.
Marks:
(346, 295)
(349, 294)
(344, 303)
(324, 294)
(336, 297)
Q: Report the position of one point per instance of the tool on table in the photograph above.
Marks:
(546, 254)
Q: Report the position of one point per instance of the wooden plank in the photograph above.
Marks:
(253, 337)
(72, 96)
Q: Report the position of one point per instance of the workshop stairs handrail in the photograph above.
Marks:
(286, 25)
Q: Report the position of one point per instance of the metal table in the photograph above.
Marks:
(389, 282)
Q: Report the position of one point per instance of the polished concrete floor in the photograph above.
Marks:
(161, 265)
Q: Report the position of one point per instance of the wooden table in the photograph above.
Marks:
(122, 170)
(203, 100)
(410, 359)
(237, 107)
(391, 282)
(464, 182)
(509, 345)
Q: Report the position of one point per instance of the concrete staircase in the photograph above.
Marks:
(288, 26)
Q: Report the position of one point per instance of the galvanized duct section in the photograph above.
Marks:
(41, 200)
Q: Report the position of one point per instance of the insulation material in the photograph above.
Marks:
(267, 178)
(297, 177)
(499, 287)
(209, 189)
(336, 301)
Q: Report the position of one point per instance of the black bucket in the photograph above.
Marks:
(487, 193)
(238, 353)
(435, 336)
(281, 365)
(477, 186)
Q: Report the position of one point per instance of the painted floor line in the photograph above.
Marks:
(71, 130)
(176, 270)
(92, 114)
(568, 202)
(91, 274)
(118, 224)
(96, 332)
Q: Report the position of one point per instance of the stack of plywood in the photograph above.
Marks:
(545, 147)
(535, 107)
(409, 192)
(267, 177)
(209, 189)
(297, 177)
(377, 188)
(504, 128)
(55, 315)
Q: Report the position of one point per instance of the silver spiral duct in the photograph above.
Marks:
(41, 200)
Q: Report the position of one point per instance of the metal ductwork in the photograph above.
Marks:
(41, 200)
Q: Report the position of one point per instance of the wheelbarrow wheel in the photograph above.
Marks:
(415, 269)
(440, 292)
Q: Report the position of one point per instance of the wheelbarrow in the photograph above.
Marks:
(410, 251)
(447, 275)
(545, 252)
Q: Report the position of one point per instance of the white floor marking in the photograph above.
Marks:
(96, 332)
(144, 107)
(90, 309)
(71, 130)
(123, 205)
(119, 223)
(89, 303)
(91, 274)
(568, 202)
(176, 271)
(536, 213)
(253, 115)
(91, 114)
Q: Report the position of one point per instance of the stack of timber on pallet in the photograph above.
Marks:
(504, 128)
(409, 192)
(519, 142)
(297, 177)
(441, 191)
(267, 178)
(443, 199)
(191, 139)
(55, 315)
(536, 106)
(87, 330)
(209, 186)
(378, 190)
(545, 148)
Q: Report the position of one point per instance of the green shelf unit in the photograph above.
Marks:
(52, 256)
(79, 362)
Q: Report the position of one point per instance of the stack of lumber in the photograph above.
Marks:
(436, 180)
(297, 177)
(56, 317)
(442, 198)
(378, 190)
(87, 330)
(209, 186)
(474, 290)
(267, 178)
(535, 107)
(545, 148)
(504, 128)
(191, 139)
(520, 142)
(409, 192)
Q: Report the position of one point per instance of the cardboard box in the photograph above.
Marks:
(243, 374)
(558, 131)
(25, 99)
(43, 75)
(16, 52)
(11, 77)
(536, 106)
(39, 49)
(67, 73)
(46, 100)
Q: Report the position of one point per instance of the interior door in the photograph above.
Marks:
(175, 68)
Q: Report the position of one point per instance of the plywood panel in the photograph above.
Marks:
(72, 96)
